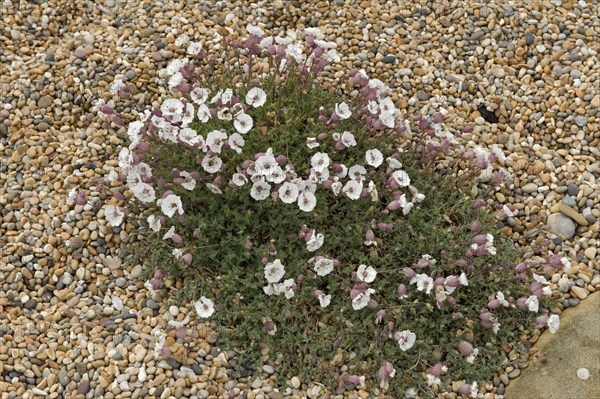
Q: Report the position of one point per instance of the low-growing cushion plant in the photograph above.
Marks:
(329, 228)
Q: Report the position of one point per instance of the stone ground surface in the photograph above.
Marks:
(63, 330)
(553, 369)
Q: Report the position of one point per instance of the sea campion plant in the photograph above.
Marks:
(321, 225)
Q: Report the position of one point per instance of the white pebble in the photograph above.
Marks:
(583, 373)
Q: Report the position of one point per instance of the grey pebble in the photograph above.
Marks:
(581, 120)
(570, 201)
(572, 189)
(529, 38)
(389, 59)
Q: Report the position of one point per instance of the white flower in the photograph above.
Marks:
(114, 215)
(315, 32)
(256, 97)
(215, 140)
(214, 189)
(182, 40)
(194, 48)
(372, 106)
(357, 172)
(170, 233)
(274, 271)
(189, 183)
(311, 142)
(243, 123)
(324, 300)
(474, 390)
(489, 245)
(254, 30)
(323, 266)
(387, 118)
(366, 274)
(265, 163)
(432, 379)
(373, 191)
(125, 158)
(116, 86)
(495, 327)
(199, 95)
(374, 158)
(471, 358)
(287, 288)
(190, 137)
(401, 178)
(307, 201)
(424, 282)
(315, 242)
(406, 339)
(177, 253)
(236, 142)
(500, 297)
(348, 139)
(393, 163)
(553, 323)
(175, 80)
(204, 307)
(170, 205)
(203, 113)
(566, 264)
(171, 107)
(320, 161)
(288, 193)
(211, 164)
(362, 299)
(353, 189)
(153, 223)
(239, 179)
(225, 114)
(336, 187)
(144, 192)
(463, 279)
(271, 289)
(260, 190)
(532, 303)
(343, 110)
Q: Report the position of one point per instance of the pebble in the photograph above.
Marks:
(562, 226)
(581, 293)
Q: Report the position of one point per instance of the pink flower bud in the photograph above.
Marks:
(339, 145)
(478, 203)
(480, 239)
(217, 182)
(187, 259)
(177, 239)
(465, 348)
(322, 136)
(439, 281)
(386, 371)
(451, 300)
(248, 245)
(555, 261)
(370, 236)
(541, 321)
(401, 290)
(475, 225)
(281, 158)
(271, 249)
(464, 389)
(264, 260)
(520, 268)
(380, 316)
(394, 205)
(453, 282)
(494, 304)
(409, 273)
(372, 304)
(521, 303)
(336, 262)
(436, 370)
(300, 278)
(353, 379)
(196, 233)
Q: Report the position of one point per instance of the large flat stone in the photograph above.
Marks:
(576, 345)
